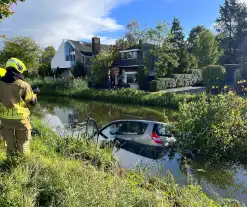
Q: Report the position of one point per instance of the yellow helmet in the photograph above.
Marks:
(2, 72)
(17, 64)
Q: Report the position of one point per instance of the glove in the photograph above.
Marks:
(36, 91)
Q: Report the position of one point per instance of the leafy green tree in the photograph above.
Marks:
(214, 126)
(133, 33)
(162, 51)
(206, 49)
(79, 70)
(179, 47)
(5, 8)
(142, 78)
(177, 38)
(23, 48)
(187, 61)
(213, 76)
(121, 44)
(232, 24)
(132, 36)
(45, 61)
(100, 66)
(194, 33)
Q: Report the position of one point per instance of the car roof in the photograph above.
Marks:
(138, 120)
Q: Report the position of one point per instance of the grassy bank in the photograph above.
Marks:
(78, 89)
(70, 172)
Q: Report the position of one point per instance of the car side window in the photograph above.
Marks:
(132, 128)
(111, 130)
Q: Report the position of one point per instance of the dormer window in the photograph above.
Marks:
(131, 54)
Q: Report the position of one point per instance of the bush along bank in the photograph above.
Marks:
(73, 172)
(193, 78)
(77, 88)
(214, 127)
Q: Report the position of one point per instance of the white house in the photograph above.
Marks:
(70, 52)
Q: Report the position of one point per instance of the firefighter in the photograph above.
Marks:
(16, 96)
(2, 72)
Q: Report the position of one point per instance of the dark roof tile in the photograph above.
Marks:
(86, 47)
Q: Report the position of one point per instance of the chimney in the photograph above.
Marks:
(95, 45)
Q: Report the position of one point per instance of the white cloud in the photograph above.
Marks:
(243, 1)
(50, 21)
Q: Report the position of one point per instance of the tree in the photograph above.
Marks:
(179, 46)
(194, 33)
(187, 61)
(5, 8)
(79, 70)
(23, 48)
(121, 44)
(133, 33)
(162, 53)
(100, 66)
(206, 49)
(142, 78)
(232, 23)
(213, 76)
(45, 61)
(177, 38)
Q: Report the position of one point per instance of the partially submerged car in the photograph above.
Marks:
(148, 133)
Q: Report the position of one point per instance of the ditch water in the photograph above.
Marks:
(226, 179)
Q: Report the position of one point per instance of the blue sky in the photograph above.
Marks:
(48, 22)
(190, 12)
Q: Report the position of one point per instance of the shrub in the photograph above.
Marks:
(154, 84)
(214, 126)
(165, 83)
(54, 85)
(213, 75)
(79, 70)
(142, 78)
(237, 76)
(129, 96)
(197, 76)
(183, 80)
(241, 87)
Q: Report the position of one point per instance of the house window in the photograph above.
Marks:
(69, 52)
(131, 78)
(129, 55)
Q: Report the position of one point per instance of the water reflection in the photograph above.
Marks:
(74, 110)
(226, 179)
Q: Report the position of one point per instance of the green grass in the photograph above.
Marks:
(71, 172)
(78, 88)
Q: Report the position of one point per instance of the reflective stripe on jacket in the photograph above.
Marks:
(14, 98)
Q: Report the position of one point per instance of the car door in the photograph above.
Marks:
(132, 131)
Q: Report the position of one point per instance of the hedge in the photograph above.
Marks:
(179, 80)
(162, 84)
(197, 76)
(185, 80)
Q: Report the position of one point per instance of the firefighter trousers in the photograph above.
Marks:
(17, 135)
